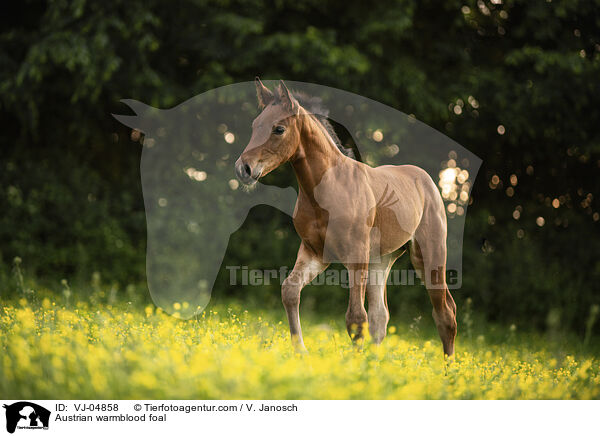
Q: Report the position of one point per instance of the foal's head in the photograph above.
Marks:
(275, 134)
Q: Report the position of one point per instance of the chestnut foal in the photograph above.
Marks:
(352, 213)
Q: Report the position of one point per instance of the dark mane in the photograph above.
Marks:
(314, 105)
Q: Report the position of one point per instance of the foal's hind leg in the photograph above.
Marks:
(378, 313)
(307, 267)
(428, 256)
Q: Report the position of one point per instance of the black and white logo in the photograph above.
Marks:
(26, 415)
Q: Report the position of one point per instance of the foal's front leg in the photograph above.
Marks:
(356, 315)
(307, 267)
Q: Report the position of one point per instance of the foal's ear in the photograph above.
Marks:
(287, 99)
(263, 94)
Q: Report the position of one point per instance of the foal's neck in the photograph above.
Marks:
(316, 154)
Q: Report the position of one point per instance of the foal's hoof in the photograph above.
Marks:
(448, 362)
(298, 345)
(358, 344)
(300, 350)
(377, 339)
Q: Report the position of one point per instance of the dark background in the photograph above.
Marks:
(70, 195)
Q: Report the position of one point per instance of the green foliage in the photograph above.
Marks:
(69, 180)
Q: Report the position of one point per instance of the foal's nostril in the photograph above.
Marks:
(244, 172)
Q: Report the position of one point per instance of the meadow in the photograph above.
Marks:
(58, 346)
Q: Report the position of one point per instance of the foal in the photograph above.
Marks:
(351, 213)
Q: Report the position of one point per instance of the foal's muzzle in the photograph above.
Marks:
(244, 172)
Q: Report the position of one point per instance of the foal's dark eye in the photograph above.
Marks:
(278, 130)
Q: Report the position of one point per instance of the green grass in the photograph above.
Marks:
(65, 347)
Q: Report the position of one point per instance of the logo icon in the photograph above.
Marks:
(26, 415)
